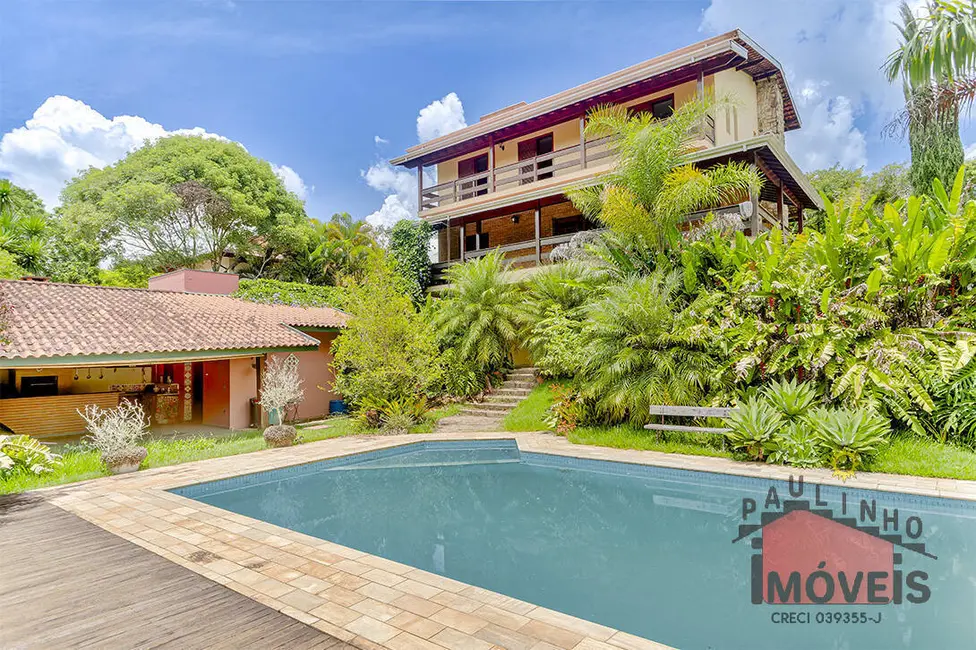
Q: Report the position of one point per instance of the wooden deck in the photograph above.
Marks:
(66, 583)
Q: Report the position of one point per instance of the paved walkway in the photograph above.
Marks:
(66, 583)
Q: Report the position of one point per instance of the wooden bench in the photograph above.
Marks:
(688, 412)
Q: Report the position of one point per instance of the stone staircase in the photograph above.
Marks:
(488, 415)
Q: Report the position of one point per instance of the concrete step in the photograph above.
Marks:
(511, 383)
(482, 414)
(530, 374)
(495, 398)
(512, 392)
(492, 406)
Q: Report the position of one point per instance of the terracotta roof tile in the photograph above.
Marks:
(48, 319)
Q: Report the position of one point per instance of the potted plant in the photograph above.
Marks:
(116, 433)
(281, 387)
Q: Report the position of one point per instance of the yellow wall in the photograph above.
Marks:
(741, 121)
(566, 134)
(68, 385)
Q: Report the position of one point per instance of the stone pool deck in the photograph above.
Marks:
(362, 599)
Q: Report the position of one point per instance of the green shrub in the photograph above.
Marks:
(849, 436)
(296, 294)
(753, 427)
(25, 455)
(568, 410)
(385, 352)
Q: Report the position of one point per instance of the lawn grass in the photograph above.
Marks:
(902, 455)
(627, 436)
(921, 457)
(80, 465)
(530, 413)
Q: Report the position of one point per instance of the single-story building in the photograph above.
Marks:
(184, 348)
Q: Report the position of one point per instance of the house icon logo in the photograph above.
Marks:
(805, 553)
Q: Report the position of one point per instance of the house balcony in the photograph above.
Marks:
(530, 178)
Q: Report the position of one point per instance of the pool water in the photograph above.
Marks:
(642, 549)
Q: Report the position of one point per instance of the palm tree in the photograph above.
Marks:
(345, 245)
(23, 233)
(935, 63)
(651, 188)
(637, 354)
(479, 314)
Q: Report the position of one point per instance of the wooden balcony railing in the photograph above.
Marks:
(531, 170)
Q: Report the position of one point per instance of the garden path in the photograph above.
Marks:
(489, 414)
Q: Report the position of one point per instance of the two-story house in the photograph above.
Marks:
(501, 182)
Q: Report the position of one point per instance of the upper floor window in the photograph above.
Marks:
(660, 108)
(472, 167)
(530, 149)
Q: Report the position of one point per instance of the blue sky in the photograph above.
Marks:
(326, 91)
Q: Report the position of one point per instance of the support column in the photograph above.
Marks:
(461, 234)
(755, 220)
(491, 165)
(799, 219)
(538, 236)
(781, 212)
(700, 85)
(420, 189)
(582, 129)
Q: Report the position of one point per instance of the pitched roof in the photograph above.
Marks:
(733, 49)
(47, 320)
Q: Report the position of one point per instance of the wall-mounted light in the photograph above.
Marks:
(515, 218)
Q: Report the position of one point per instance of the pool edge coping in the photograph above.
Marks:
(139, 507)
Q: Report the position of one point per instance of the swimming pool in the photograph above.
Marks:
(641, 549)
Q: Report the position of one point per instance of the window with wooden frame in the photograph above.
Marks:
(570, 225)
(660, 108)
(472, 167)
(530, 149)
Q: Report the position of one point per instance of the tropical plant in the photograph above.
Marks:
(753, 428)
(936, 53)
(849, 436)
(343, 249)
(24, 227)
(790, 398)
(795, 444)
(637, 351)
(281, 386)
(651, 187)
(479, 313)
(568, 410)
(24, 454)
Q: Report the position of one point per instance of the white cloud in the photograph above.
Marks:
(293, 182)
(400, 186)
(65, 136)
(440, 117)
(971, 152)
(378, 140)
(833, 52)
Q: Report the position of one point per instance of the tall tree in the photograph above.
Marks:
(934, 62)
(409, 247)
(184, 199)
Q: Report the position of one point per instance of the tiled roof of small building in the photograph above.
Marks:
(46, 320)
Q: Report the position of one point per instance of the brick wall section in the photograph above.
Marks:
(503, 231)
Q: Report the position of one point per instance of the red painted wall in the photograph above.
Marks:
(216, 393)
